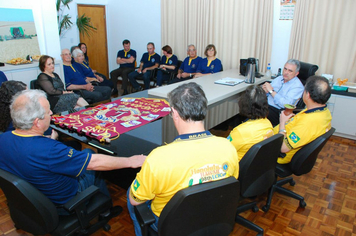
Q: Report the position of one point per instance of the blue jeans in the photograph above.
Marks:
(162, 76)
(145, 76)
(131, 209)
(87, 179)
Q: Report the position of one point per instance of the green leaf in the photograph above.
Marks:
(65, 23)
(84, 25)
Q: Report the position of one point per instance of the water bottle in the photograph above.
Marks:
(268, 72)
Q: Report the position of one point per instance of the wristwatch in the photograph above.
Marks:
(190, 75)
(270, 92)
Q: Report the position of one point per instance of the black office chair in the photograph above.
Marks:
(152, 78)
(302, 163)
(33, 212)
(172, 74)
(257, 175)
(306, 70)
(201, 210)
(33, 84)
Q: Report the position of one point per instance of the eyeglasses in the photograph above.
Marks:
(191, 50)
(67, 54)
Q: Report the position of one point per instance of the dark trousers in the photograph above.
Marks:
(99, 94)
(273, 115)
(176, 80)
(133, 76)
(124, 73)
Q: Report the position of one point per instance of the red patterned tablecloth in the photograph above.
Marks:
(106, 122)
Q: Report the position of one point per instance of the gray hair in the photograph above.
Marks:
(190, 45)
(190, 102)
(76, 52)
(25, 111)
(294, 62)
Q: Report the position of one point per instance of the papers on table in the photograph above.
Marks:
(229, 81)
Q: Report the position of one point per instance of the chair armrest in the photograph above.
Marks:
(81, 198)
(144, 216)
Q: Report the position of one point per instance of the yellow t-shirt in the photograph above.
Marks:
(245, 135)
(191, 159)
(303, 128)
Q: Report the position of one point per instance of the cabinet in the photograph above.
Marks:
(343, 111)
(28, 72)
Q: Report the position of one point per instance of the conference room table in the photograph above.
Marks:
(222, 105)
(222, 99)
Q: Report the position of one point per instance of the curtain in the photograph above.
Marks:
(238, 28)
(324, 33)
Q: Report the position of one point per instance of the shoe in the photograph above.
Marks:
(114, 92)
(114, 211)
(134, 90)
(126, 92)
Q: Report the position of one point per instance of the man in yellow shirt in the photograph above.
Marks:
(310, 123)
(195, 156)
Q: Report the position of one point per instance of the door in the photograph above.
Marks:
(97, 42)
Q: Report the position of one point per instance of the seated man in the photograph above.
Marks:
(168, 64)
(76, 81)
(308, 124)
(285, 89)
(57, 170)
(195, 156)
(149, 61)
(189, 66)
(126, 58)
(254, 107)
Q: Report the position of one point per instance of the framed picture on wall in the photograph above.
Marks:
(18, 36)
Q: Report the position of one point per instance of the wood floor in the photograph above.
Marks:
(329, 191)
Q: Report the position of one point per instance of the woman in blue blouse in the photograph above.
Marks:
(210, 64)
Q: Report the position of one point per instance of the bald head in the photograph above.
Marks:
(66, 55)
(319, 89)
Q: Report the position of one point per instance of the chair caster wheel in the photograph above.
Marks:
(292, 183)
(302, 204)
(255, 209)
(265, 208)
(107, 227)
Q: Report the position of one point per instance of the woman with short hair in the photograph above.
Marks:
(254, 107)
(209, 65)
(60, 100)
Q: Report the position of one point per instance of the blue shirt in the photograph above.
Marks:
(150, 60)
(49, 165)
(127, 55)
(172, 61)
(84, 69)
(205, 67)
(2, 77)
(72, 75)
(190, 65)
(287, 93)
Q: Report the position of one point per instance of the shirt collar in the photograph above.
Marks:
(193, 136)
(317, 109)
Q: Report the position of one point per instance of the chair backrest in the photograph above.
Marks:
(306, 70)
(33, 84)
(257, 167)
(201, 210)
(30, 210)
(303, 161)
